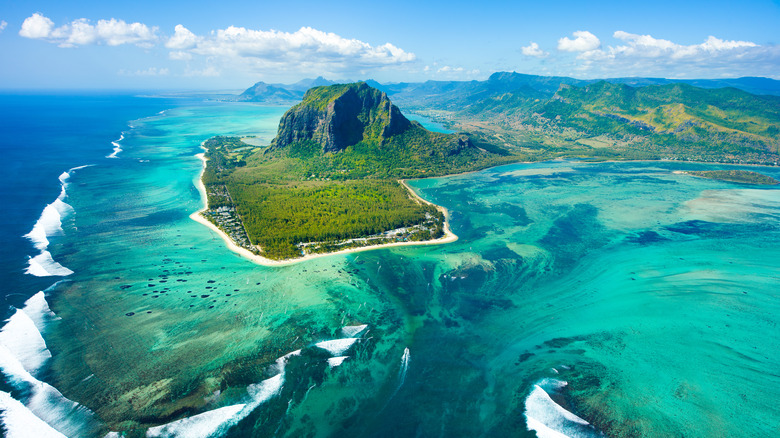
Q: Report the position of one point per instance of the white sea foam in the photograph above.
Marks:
(49, 223)
(336, 361)
(18, 421)
(351, 331)
(401, 375)
(210, 422)
(337, 347)
(23, 341)
(265, 390)
(43, 265)
(117, 146)
(198, 426)
(37, 308)
(404, 367)
(117, 149)
(551, 420)
(23, 352)
(45, 401)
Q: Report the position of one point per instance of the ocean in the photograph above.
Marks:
(581, 299)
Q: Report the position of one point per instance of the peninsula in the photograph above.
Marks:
(331, 180)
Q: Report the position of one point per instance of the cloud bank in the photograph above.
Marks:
(307, 49)
(81, 32)
(633, 54)
(643, 55)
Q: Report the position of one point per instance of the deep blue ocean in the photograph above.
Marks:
(581, 299)
(42, 136)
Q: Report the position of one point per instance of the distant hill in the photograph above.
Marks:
(725, 121)
(456, 95)
(452, 95)
(280, 93)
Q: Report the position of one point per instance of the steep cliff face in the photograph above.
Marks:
(339, 116)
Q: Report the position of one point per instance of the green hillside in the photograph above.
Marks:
(612, 120)
(329, 180)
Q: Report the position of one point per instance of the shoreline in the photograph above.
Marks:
(448, 237)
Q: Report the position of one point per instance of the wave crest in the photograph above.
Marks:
(551, 420)
(49, 224)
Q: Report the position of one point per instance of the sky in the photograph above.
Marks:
(229, 45)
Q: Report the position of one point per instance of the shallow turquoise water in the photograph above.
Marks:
(652, 294)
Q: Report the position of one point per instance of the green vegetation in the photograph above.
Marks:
(329, 179)
(608, 120)
(316, 191)
(737, 176)
(281, 208)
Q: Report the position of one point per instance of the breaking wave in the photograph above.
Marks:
(551, 420)
(18, 421)
(209, 423)
(50, 224)
(336, 361)
(351, 331)
(198, 426)
(337, 347)
(23, 354)
(43, 265)
(117, 146)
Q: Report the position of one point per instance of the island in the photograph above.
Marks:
(332, 179)
(736, 176)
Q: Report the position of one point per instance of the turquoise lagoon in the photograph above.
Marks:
(581, 299)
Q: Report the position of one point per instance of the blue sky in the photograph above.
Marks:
(232, 44)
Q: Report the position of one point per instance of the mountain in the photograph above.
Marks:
(329, 180)
(304, 84)
(728, 119)
(280, 93)
(262, 92)
(618, 121)
(339, 116)
(353, 131)
(461, 95)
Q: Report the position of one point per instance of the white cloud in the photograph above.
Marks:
(307, 49)
(81, 32)
(182, 39)
(3, 24)
(584, 41)
(649, 47)
(533, 50)
(645, 55)
(151, 71)
(36, 26)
